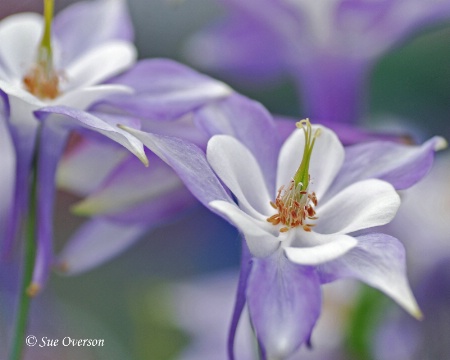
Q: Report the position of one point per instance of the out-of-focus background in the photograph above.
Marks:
(131, 301)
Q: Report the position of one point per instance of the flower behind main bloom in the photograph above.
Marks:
(328, 47)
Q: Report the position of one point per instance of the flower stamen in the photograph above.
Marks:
(295, 204)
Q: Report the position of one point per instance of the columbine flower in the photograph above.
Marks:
(41, 67)
(308, 219)
(57, 85)
(328, 46)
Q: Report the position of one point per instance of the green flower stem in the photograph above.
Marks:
(45, 54)
(363, 322)
(18, 340)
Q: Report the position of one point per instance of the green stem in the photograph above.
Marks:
(18, 341)
(363, 322)
(45, 54)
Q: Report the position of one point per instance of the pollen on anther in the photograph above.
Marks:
(295, 208)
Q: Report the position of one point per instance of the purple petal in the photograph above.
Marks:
(96, 242)
(189, 162)
(246, 266)
(337, 101)
(126, 192)
(379, 261)
(165, 90)
(250, 123)
(239, 47)
(401, 165)
(106, 125)
(284, 302)
(347, 134)
(87, 24)
(51, 145)
(24, 141)
(86, 164)
(8, 166)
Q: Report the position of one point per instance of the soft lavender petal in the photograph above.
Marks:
(96, 242)
(165, 90)
(250, 123)
(399, 164)
(284, 302)
(107, 125)
(339, 101)
(246, 266)
(24, 138)
(158, 211)
(51, 145)
(189, 162)
(87, 24)
(85, 166)
(379, 261)
(130, 184)
(8, 166)
(239, 47)
(347, 134)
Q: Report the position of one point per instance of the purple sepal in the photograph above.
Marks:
(7, 176)
(347, 134)
(284, 302)
(241, 48)
(24, 142)
(246, 266)
(165, 90)
(399, 164)
(188, 161)
(95, 242)
(51, 145)
(250, 123)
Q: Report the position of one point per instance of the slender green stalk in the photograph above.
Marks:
(45, 53)
(27, 273)
(363, 323)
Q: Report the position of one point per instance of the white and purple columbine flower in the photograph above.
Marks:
(40, 67)
(309, 216)
(57, 81)
(328, 46)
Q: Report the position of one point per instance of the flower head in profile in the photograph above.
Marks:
(308, 218)
(54, 61)
(327, 46)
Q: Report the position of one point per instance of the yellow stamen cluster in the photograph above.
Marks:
(42, 83)
(295, 204)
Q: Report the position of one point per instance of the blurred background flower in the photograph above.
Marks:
(409, 86)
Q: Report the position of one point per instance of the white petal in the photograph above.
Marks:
(99, 64)
(19, 39)
(362, 205)
(257, 233)
(326, 159)
(329, 247)
(238, 169)
(82, 98)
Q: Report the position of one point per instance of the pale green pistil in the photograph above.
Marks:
(42, 80)
(295, 205)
